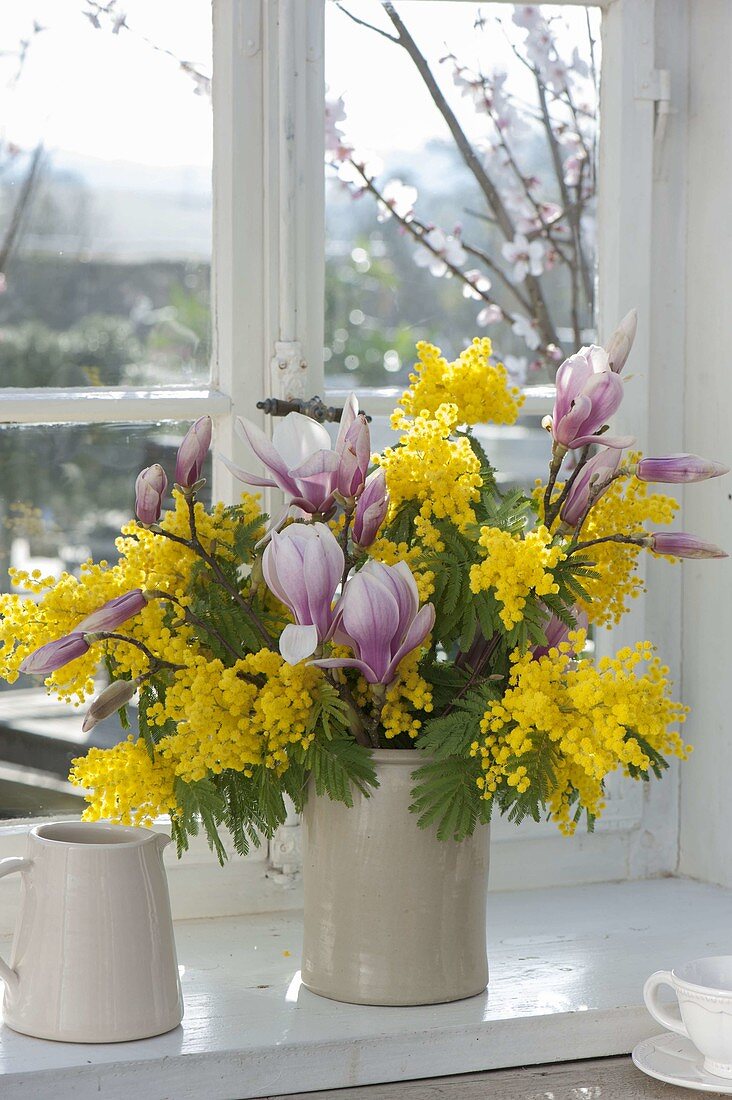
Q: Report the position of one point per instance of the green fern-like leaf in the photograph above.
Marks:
(452, 734)
(338, 765)
(446, 796)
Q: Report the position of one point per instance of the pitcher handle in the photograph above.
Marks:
(7, 867)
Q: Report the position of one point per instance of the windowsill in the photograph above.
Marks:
(567, 971)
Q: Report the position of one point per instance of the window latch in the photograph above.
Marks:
(314, 407)
(656, 86)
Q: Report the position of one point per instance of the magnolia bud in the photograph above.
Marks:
(150, 489)
(114, 696)
(678, 544)
(192, 453)
(621, 341)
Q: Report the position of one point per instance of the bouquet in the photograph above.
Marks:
(400, 600)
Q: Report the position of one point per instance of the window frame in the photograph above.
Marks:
(268, 316)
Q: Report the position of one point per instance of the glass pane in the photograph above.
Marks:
(461, 184)
(105, 192)
(65, 493)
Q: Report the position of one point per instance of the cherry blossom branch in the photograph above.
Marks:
(419, 232)
(363, 23)
(540, 309)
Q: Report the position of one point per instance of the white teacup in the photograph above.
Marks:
(704, 991)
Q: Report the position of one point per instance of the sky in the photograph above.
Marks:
(116, 98)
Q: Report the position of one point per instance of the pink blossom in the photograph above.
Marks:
(526, 257)
(489, 315)
(398, 198)
(448, 249)
(526, 328)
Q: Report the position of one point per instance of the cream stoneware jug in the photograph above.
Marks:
(93, 957)
(393, 916)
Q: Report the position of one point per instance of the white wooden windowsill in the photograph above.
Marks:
(567, 970)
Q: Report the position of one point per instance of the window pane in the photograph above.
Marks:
(65, 493)
(464, 207)
(105, 192)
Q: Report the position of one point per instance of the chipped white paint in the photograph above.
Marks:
(567, 972)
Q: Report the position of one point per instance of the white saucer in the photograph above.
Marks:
(675, 1060)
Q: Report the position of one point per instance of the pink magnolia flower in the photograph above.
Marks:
(380, 618)
(527, 258)
(675, 469)
(590, 483)
(679, 544)
(150, 489)
(54, 655)
(302, 566)
(371, 510)
(587, 395)
(299, 458)
(192, 453)
(113, 613)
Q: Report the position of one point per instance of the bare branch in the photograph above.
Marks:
(363, 23)
(16, 219)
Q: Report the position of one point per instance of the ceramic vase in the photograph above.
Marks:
(393, 916)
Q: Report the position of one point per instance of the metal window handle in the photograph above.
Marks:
(314, 407)
(8, 867)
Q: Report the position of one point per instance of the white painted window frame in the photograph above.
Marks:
(268, 294)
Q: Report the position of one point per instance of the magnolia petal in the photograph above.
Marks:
(284, 572)
(619, 441)
(265, 450)
(571, 377)
(321, 569)
(245, 476)
(297, 437)
(347, 662)
(370, 616)
(298, 642)
(349, 414)
(571, 424)
(418, 631)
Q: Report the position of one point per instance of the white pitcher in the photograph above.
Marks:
(93, 957)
